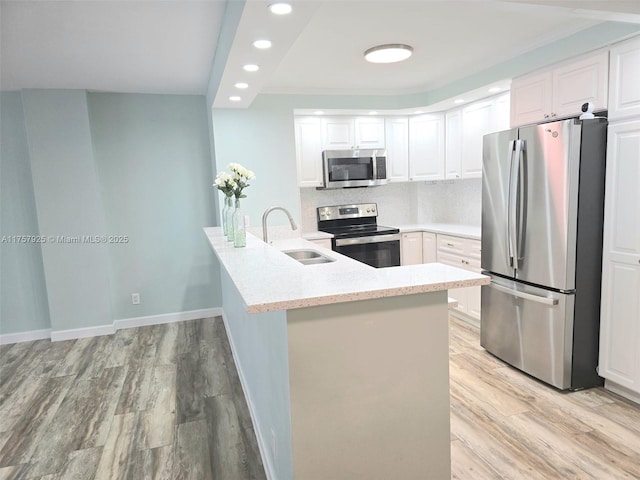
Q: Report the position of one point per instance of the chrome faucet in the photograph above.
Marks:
(264, 221)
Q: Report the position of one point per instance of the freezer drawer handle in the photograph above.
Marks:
(526, 296)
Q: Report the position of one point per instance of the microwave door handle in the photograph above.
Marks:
(374, 165)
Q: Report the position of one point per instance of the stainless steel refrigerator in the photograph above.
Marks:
(542, 215)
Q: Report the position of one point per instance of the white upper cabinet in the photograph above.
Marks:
(397, 145)
(426, 147)
(531, 98)
(624, 93)
(453, 147)
(579, 82)
(477, 121)
(340, 133)
(620, 309)
(560, 91)
(308, 151)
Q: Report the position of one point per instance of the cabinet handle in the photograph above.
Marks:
(450, 245)
(546, 115)
(553, 115)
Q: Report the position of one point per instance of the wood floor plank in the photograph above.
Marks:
(135, 390)
(154, 464)
(189, 388)
(166, 338)
(226, 445)
(466, 465)
(79, 465)
(162, 391)
(119, 450)
(82, 421)
(191, 454)
(33, 427)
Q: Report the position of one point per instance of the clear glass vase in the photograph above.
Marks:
(239, 227)
(229, 216)
(225, 216)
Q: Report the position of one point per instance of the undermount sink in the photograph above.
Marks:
(308, 257)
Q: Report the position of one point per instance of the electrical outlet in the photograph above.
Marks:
(274, 445)
(135, 298)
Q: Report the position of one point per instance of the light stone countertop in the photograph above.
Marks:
(269, 280)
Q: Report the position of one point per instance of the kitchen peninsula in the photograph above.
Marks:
(344, 366)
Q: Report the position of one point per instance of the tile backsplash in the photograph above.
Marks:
(454, 201)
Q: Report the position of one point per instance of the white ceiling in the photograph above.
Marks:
(155, 46)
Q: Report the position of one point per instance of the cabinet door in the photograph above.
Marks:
(426, 147)
(477, 121)
(624, 78)
(338, 133)
(411, 248)
(369, 132)
(531, 98)
(397, 145)
(458, 294)
(453, 149)
(429, 248)
(620, 310)
(308, 151)
(502, 113)
(578, 82)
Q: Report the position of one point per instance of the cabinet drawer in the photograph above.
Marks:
(454, 245)
(453, 260)
(475, 249)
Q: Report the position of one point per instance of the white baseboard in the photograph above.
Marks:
(269, 468)
(622, 391)
(25, 336)
(74, 333)
(166, 318)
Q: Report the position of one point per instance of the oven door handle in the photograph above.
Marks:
(365, 240)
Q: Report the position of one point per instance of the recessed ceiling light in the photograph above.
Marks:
(241, 85)
(318, 112)
(280, 8)
(373, 112)
(235, 98)
(418, 112)
(459, 101)
(251, 68)
(393, 52)
(262, 44)
(495, 89)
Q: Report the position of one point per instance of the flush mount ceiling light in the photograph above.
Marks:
(280, 8)
(235, 98)
(390, 53)
(251, 68)
(262, 44)
(241, 85)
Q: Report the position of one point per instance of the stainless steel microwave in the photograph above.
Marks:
(354, 168)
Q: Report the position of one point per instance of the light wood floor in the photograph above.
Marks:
(506, 425)
(164, 402)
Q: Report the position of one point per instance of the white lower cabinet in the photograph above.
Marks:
(619, 361)
(462, 253)
(411, 248)
(322, 242)
(429, 248)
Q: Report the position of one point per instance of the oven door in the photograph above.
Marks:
(378, 250)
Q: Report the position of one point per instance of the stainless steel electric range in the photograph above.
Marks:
(356, 234)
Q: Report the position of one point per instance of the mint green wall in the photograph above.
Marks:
(68, 204)
(154, 167)
(23, 293)
(261, 138)
(116, 164)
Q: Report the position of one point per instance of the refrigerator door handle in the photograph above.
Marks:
(526, 296)
(512, 205)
